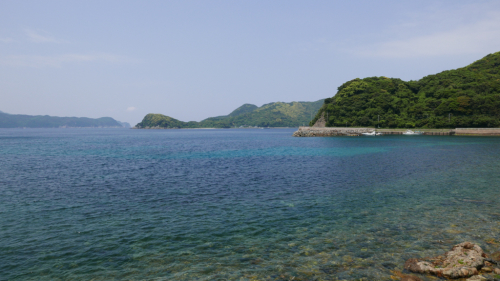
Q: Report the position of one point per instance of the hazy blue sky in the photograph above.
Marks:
(196, 59)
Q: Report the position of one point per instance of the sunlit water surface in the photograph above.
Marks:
(111, 204)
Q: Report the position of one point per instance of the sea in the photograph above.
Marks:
(238, 204)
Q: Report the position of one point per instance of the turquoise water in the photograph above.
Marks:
(111, 204)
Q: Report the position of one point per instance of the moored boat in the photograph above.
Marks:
(373, 133)
(412, 133)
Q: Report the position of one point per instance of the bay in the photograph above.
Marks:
(238, 204)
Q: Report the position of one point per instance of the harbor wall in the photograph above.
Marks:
(477, 131)
(339, 131)
(426, 133)
(330, 131)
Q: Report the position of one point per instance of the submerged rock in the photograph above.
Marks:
(487, 269)
(476, 278)
(462, 261)
(410, 278)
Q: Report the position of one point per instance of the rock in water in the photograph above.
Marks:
(462, 261)
(486, 269)
(476, 278)
(410, 278)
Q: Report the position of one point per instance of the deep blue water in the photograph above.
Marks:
(111, 204)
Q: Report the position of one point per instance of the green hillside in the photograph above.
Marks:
(464, 97)
(276, 114)
(246, 108)
(45, 121)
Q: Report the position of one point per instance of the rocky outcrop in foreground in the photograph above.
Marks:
(464, 260)
(329, 131)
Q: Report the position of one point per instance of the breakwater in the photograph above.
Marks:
(339, 131)
(330, 131)
(426, 133)
(477, 131)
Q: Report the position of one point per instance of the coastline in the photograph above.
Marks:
(161, 128)
(340, 131)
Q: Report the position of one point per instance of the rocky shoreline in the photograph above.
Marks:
(464, 260)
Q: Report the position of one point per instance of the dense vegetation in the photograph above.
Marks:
(465, 97)
(276, 114)
(45, 121)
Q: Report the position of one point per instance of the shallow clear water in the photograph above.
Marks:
(110, 204)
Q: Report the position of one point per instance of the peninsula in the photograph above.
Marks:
(467, 97)
(276, 114)
(46, 121)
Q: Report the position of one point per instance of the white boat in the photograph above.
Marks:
(372, 134)
(412, 133)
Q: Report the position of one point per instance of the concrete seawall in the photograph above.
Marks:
(477, 131)
(329, 131)
(339, 131)
(425, 133)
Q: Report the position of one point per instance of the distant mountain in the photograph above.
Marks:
(45, 121)
(276, 114)
(125, 124)
(464, 97)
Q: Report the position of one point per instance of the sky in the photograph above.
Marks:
(196, 59)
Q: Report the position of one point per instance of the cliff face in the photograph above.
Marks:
(321, 122)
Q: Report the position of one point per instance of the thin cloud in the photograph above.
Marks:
(478, 37)
(7, 40)
(41, 38)
(131, 108)
(60, 60)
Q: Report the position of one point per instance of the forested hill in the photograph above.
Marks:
(464, 97)
(276, 114)
(45, 121)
